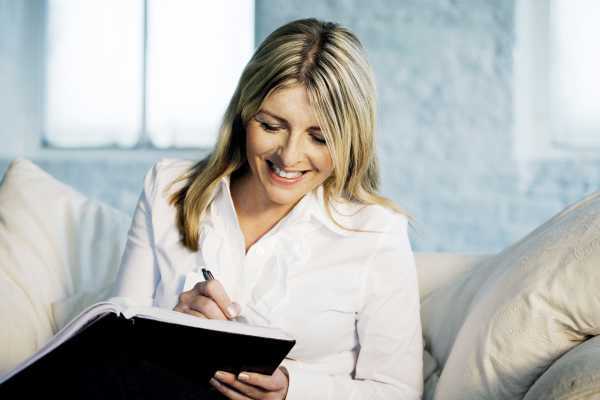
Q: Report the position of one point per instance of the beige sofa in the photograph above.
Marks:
(59, 252)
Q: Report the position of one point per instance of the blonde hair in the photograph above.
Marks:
(330, 62)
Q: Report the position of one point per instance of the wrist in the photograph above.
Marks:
(287, 380)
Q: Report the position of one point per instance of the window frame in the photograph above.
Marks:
(35, 143)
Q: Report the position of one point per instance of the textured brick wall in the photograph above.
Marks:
(444, 75)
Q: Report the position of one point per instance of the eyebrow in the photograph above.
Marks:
(283, 120)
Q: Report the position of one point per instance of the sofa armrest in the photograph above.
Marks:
(436, 269)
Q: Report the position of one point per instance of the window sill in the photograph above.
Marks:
(109, 154)
(545, 151)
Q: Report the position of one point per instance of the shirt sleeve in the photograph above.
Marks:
(138, 271)
(390, 359)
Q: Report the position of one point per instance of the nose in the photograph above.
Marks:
(291, 152)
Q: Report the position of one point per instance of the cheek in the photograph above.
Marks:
(250, 141)
(324, 163)
(257, 143)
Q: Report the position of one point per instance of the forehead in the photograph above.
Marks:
(291, 104)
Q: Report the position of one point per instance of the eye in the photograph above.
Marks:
(267, 127)
(319, 139)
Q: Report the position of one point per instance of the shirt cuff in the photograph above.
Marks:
(307, 384)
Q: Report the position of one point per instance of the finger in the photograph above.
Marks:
(178, 307)
(207, 307)
(270, 383)
(227, 391)
(184, 298)
(215, 290)
(195, 313)
(186, 310)
(231, 380)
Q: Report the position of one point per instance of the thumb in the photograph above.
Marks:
(233, 310)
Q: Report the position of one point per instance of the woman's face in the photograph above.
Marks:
(286, 149)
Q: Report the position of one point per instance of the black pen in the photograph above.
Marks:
(208, 276)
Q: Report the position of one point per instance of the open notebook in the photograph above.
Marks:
(124, 338)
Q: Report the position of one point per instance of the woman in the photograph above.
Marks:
(285, 212)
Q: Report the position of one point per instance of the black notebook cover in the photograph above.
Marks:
(119, 358)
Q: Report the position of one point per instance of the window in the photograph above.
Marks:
(557, 86)
(135, 73)
(575, 72)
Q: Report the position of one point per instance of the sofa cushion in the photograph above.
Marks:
(438, 269)
(574, 376)
(54, 243)
(520, 310)
(444, 309)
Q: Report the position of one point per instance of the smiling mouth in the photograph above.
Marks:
(274, 167)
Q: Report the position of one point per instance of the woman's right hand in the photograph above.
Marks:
(207, 299)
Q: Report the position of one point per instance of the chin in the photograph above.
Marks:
(285, 193)
(284, 196)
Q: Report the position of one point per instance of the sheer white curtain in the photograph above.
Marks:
(125, 72)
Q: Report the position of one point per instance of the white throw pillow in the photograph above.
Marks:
(54, 243)
(522, 308)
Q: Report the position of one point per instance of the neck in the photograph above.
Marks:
(251, 202)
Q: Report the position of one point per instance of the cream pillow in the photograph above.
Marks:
(574, 376)
(522, 309)
(54, 243)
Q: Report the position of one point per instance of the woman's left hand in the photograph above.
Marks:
(248, 385)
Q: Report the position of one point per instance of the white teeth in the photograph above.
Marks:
(283, 174)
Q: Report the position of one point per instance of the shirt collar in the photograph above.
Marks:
(320, 213)
(312, 205)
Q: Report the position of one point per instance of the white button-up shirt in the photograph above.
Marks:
(350, 299)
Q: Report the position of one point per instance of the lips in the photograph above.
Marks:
(281, 177)
(277, 169)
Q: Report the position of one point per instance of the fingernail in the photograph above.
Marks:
(214, 382)
(243, 377)
(233, 310)
(220, 374)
